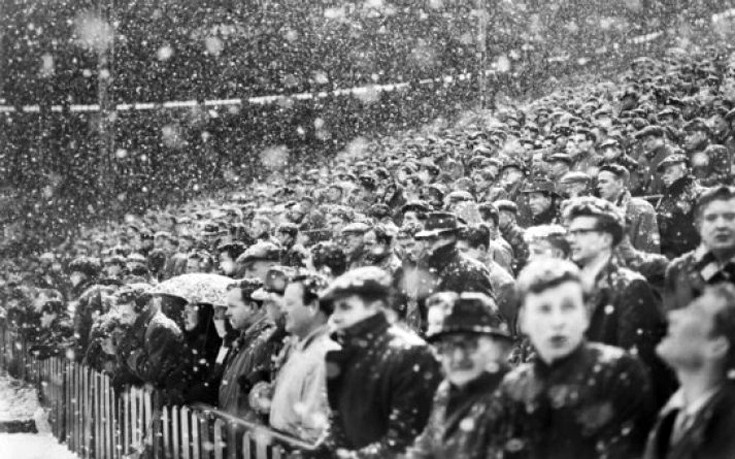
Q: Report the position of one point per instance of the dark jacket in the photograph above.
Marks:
(710, 436)
(245, 365)
(202, 344)
(451, 271)
(514, 236)
(91, 304)
(461, 421)
(675, 215)
(687, 276)
(625, 313)
(380, 386)
(594, 403)
(154, 352)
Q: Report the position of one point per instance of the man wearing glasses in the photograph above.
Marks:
(623, 308)
(473, 345)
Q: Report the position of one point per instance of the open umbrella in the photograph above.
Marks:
(196, 288)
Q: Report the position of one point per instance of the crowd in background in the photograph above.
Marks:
(533, 282)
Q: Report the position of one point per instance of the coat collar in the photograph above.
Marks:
(441, 257)
(373, 325)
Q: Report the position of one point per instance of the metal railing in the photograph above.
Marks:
(97, 421)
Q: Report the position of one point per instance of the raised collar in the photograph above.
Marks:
(442, 257)
(373, 325)
(562, 365)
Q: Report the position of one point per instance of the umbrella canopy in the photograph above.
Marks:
(196, 288)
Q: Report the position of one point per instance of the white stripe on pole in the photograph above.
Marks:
(265, 100)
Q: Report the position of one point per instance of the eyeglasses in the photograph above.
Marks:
(580, 231)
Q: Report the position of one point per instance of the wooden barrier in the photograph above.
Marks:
(97, 422)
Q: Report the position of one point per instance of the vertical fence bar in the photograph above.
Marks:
(246, 450)
(185, 433)
(232, 443)
(195, 436)
(176, 432)
(219, 445)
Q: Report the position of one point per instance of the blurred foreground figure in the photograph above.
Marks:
(473, 343)
(699, 420)
(575, 399)
(381, 383)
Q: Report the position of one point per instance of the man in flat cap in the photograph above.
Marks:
(543, 202)
(512, 232)
(473, 344)
(513, 180)
(655, 148)
(353, 242)
(640, 217)
(448, 269)
(381, 383)
(559, 165)
(676, 209)
(575, 184)
(258, 259)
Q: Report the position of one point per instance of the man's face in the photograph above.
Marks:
(298, 315)
(333, 194)
(558, 168)
(542, 249)
(258, 269)
(717, 225)
(574, 189)
(353, 243)
(77, 278)
(651, 142)
(411, 217)
(718, 124)
(611, 152)
(690, 333)
(539, 202)
(609, 186)
(113, 270)
(193, 266)
(577, 145)
(191, 316)
(283, 238)
(511, 176)
(372, 246)
(185, 245)
(465, 357)
(256, 229)
(694, 139)
(475, 254)
(240, 313)
(505, 218)
(673, 173)
(585, 241)
(555, 320)
(350, 310)
(226, 264)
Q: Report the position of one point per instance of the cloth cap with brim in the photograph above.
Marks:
(261, 251)
(211, 229)
(416, 206)
(506, 205)
(560, 157)
(276, 280)
(671, 160)
(541, 186)
(521, 166)
(696, 125)
(650, 131)
(472, 313)
(575, 177)
(457, 196)
(355, 228)
(610, 142)
(368, 281)
(438, 223)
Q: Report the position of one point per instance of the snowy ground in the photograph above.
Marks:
(19, 402)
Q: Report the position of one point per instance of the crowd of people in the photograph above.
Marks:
(552, 280)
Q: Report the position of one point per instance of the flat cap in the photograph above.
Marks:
(368, 280)
(506, 205)
(654, 131)
(671, 160)
(575, 177)
(265, 251)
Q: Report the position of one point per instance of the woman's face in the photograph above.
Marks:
(191, 317)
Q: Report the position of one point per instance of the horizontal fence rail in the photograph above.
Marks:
(96, 421)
